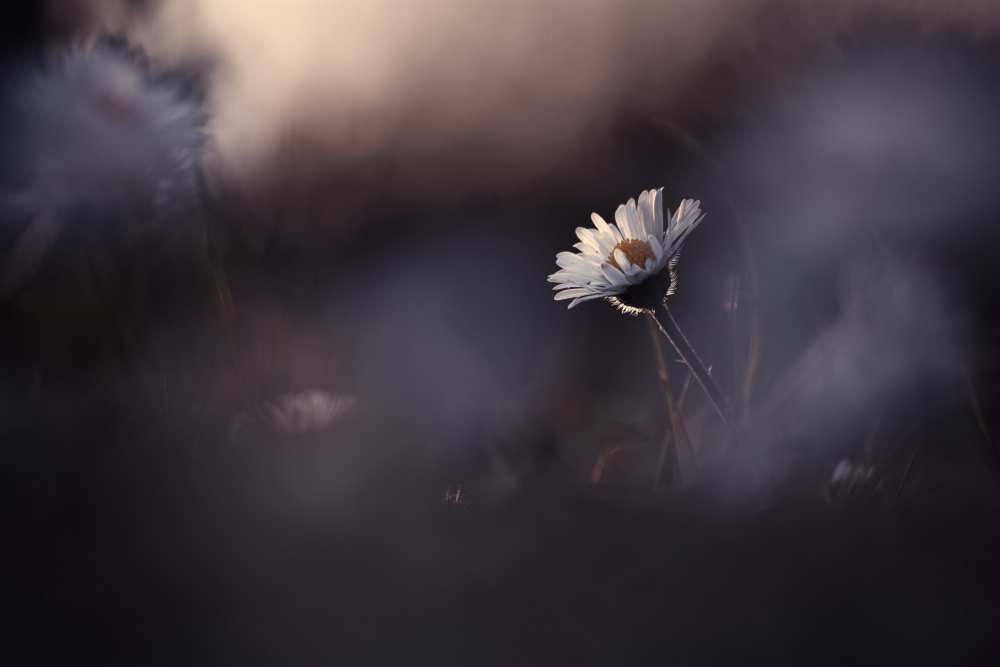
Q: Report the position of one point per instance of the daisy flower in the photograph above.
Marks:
(625, 262)
(633, 264)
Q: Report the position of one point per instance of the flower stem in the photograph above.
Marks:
(670, 455)
(687, 353)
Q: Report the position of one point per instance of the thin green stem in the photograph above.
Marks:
(677, 435)
(687, 353)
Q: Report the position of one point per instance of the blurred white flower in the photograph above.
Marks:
(99, 136)
(623, 262)
(104, 131)
(303, 413)
(308, 412)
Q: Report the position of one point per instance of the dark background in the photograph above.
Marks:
(858, 163)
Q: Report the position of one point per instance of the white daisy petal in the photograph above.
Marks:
(682, 223)
(575, 282)
(657, 248)
(613, 275)
(587, 237)
(646, 215)
(607, 243)
(622, 259)
(562, 275)
(600, 224)
(632, 213)
(616, 234)
(609, 234)
(569, 260)
(572, 293)
(658, 213)
(621, 219)
(563, 259)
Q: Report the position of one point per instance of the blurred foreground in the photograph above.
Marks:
(333, 414)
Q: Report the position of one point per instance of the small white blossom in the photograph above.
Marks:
(621, 261)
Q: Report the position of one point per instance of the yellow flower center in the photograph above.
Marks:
(636, 251)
